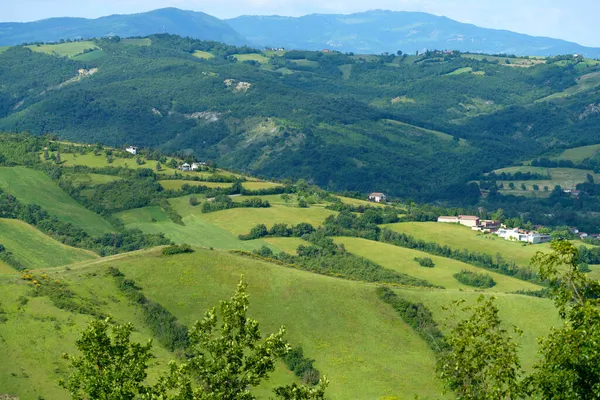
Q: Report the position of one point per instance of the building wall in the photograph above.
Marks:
(469, 222)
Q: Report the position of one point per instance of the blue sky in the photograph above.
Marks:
(574, 20)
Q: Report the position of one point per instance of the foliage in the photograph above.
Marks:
(482, 362)
(10, 259)
(177, 249)
(110, 365)
(301, 366)
(425, 262)
(223, 202)
(417, 316)
(479, 280)
(570, 356)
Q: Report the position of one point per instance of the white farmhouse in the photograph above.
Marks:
(132, 150)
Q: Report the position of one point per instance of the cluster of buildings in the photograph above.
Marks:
(495, 227)
(192, 167)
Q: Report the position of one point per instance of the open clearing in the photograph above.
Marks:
(251, 57)
(585, 82)
(36, 250)
(567, 178)
(507, 61)
(3, 49)
(92, 179)
(137, 42)
(35, 187)
(204, 55)
(175, 185)
(460, 71)
(578, 154)
(402, 260)
(64, 49)
(461, 237)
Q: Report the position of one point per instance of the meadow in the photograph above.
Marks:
(461, 237)
(402, 260)
(64, 49)
(36, 250)
(203, 55)
(578, 154)
(35, 187)
(137, 41)
(507, 61)
(176, 185)
(90, 179)
(584, 83)
(3, 49)
(251, 57)
(567, 178)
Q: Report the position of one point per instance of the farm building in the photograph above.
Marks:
(377, 197)
(132, 150)
(519, 235)
(448, 220)
(466, 220)
(185, 167)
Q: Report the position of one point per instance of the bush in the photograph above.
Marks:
(301, 366)
(194, 201)
(425, 262)
(177, 249)
(479, 280)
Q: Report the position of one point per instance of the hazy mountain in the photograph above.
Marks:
(388, 31)
(168, 20)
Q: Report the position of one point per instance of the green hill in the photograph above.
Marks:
(408, 126)
(35, 187)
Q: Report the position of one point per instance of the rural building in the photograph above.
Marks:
(185, 167)
(468, 220)
(448, 220)
(519, 235)
(132, 150)
(377, 197)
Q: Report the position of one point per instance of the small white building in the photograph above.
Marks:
(448, 219)
(377, 197)
(523, 236)
(132, 150)
(185, 167)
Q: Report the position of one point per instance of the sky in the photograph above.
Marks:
(573, 20)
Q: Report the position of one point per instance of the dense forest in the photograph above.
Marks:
(417, 127)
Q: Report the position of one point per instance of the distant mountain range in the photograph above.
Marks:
(378, 31)
(167, 20)
(371, 32)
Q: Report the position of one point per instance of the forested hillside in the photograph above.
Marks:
(418, 127)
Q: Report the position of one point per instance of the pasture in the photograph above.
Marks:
(36, 250)
(137, 41)
(402, 260)
(3, 49)
(89, 56)
(578, 154)
(460, 71)
(176, 185)
(461, 237)
(64, 49)
(92, 179)
(507, 61)
(203, 55)
(259, 58)
(567, 178)
(35, 187)
(585, 82)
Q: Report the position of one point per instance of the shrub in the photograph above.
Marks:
(302, 366)
(194, 201)
(177, 249)
(425, 262)
(475, 279)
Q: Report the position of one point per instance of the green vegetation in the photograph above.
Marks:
(585, 82)
(203, 55)
(478, 280)
(461, 237)
(64, 49)
(34, 187)
(259, 58)
(463, 70)
(3, 49)
(137, 42)
(175, 185)
(578, 154)
(566, 178)
(35, 250)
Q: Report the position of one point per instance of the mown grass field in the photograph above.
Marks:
(203, 55)
(461, 237)
(567, 178)
(137, 42)
(64, 49)
(288, 245)
(402, 260)
(92, 179)
(36, 250)
(175, 185)
(35, 187)
(578, 154)
(251, 57)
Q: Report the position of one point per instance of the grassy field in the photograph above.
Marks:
(36, 250)
(319, 312)
(196, 231)
(3, 49)
(90, 56)
(567, 178)
(35, 187)
(578, 154)
(533, 315)
(288, 245)
(585, 82)
(512, 61)
(260, 185)
(137, 42)
(175, 185)
(358, 202)
(402, 260)
(251, 57)
(92, 179)
(99, 161)
(461, 237)
(203, 55)
(241, 220)
(64, 49)
(460, 71)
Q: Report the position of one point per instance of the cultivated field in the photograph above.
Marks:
(35, 187)
(460, 237)
(36, 250)
(251, 57)
(578, 154)
(567, 178)
(402, 260)
(64, 49)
